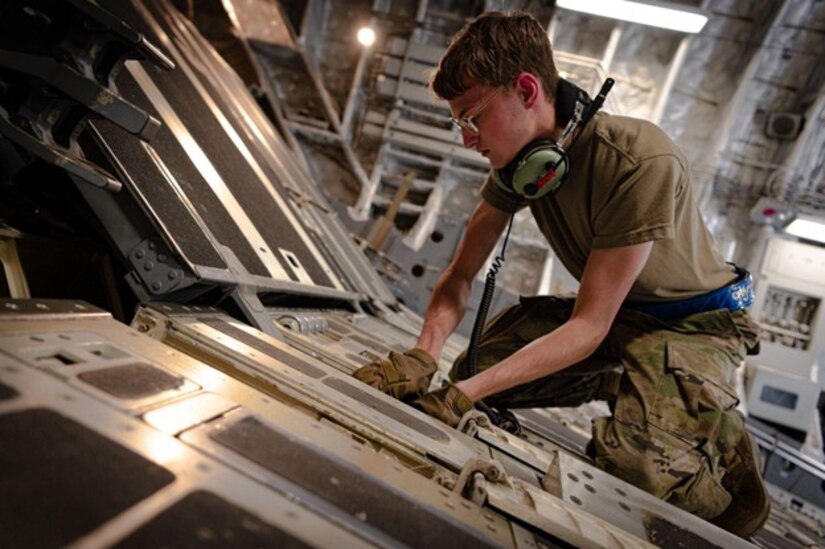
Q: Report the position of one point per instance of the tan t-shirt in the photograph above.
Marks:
(628, 183)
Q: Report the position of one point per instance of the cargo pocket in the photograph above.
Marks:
(694, 397)
(701, 494)
(660, 464)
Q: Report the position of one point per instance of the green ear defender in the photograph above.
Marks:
(538, 169)
(541, 166)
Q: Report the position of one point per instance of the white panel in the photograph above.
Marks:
(781, 398)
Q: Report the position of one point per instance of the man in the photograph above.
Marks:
(658, 326)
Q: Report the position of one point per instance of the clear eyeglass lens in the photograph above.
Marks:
(468, 122)
(465, 124)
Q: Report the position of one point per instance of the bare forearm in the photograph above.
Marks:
(569, 344)
(606, 280)
(445, 310)
(449, 300)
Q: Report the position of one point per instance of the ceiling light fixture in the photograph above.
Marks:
(807, 227)
(656, 15)
(366, 36)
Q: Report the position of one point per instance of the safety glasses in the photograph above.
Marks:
(468, 122)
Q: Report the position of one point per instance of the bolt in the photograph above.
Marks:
(140, 254)
(148, 266)
(156, 286)
(172, 275)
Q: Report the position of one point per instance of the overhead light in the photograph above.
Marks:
(366, 36)
(656, 15)
(807, 227)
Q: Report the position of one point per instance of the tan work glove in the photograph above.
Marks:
(447, 404)
(401, 375)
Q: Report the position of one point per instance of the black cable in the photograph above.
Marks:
(504, 419)
(484, 305)
(598, 101)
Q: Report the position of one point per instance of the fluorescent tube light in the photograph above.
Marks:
(808, 228)
(637, 12)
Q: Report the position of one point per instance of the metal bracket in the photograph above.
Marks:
(472, 421)
(474, 476)
(147, 322)
(155, 266)
(15, 275)
(54, 154)
(57, 93)
(551, 481)
(89, 94)
(246, 298)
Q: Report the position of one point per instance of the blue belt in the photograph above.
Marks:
(735, 296)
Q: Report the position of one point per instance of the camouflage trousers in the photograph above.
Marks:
(669, 385)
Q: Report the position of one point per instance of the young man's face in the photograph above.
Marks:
(492, 121)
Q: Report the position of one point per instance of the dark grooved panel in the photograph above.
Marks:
(202, 519)
(157, 190)
(7, 392)
(269, 350)
(132, 380)
(387, 409)
(325, 247)
(235, 170)
(239, 174)
(151, 182)
(59, 479)
(385, 508)
(768, 537)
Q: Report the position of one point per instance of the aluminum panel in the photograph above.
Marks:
(127, 477)
(46, 470)
(106, 370)
(558, 518)
(360, 483)
(250, 354)
(636, 511)
(301, 443)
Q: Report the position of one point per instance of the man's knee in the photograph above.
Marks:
(661, 465)
(751, 504)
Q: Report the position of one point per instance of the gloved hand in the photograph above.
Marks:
(447, 404)
(401, 375)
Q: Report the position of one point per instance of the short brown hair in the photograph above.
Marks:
(492, 50)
